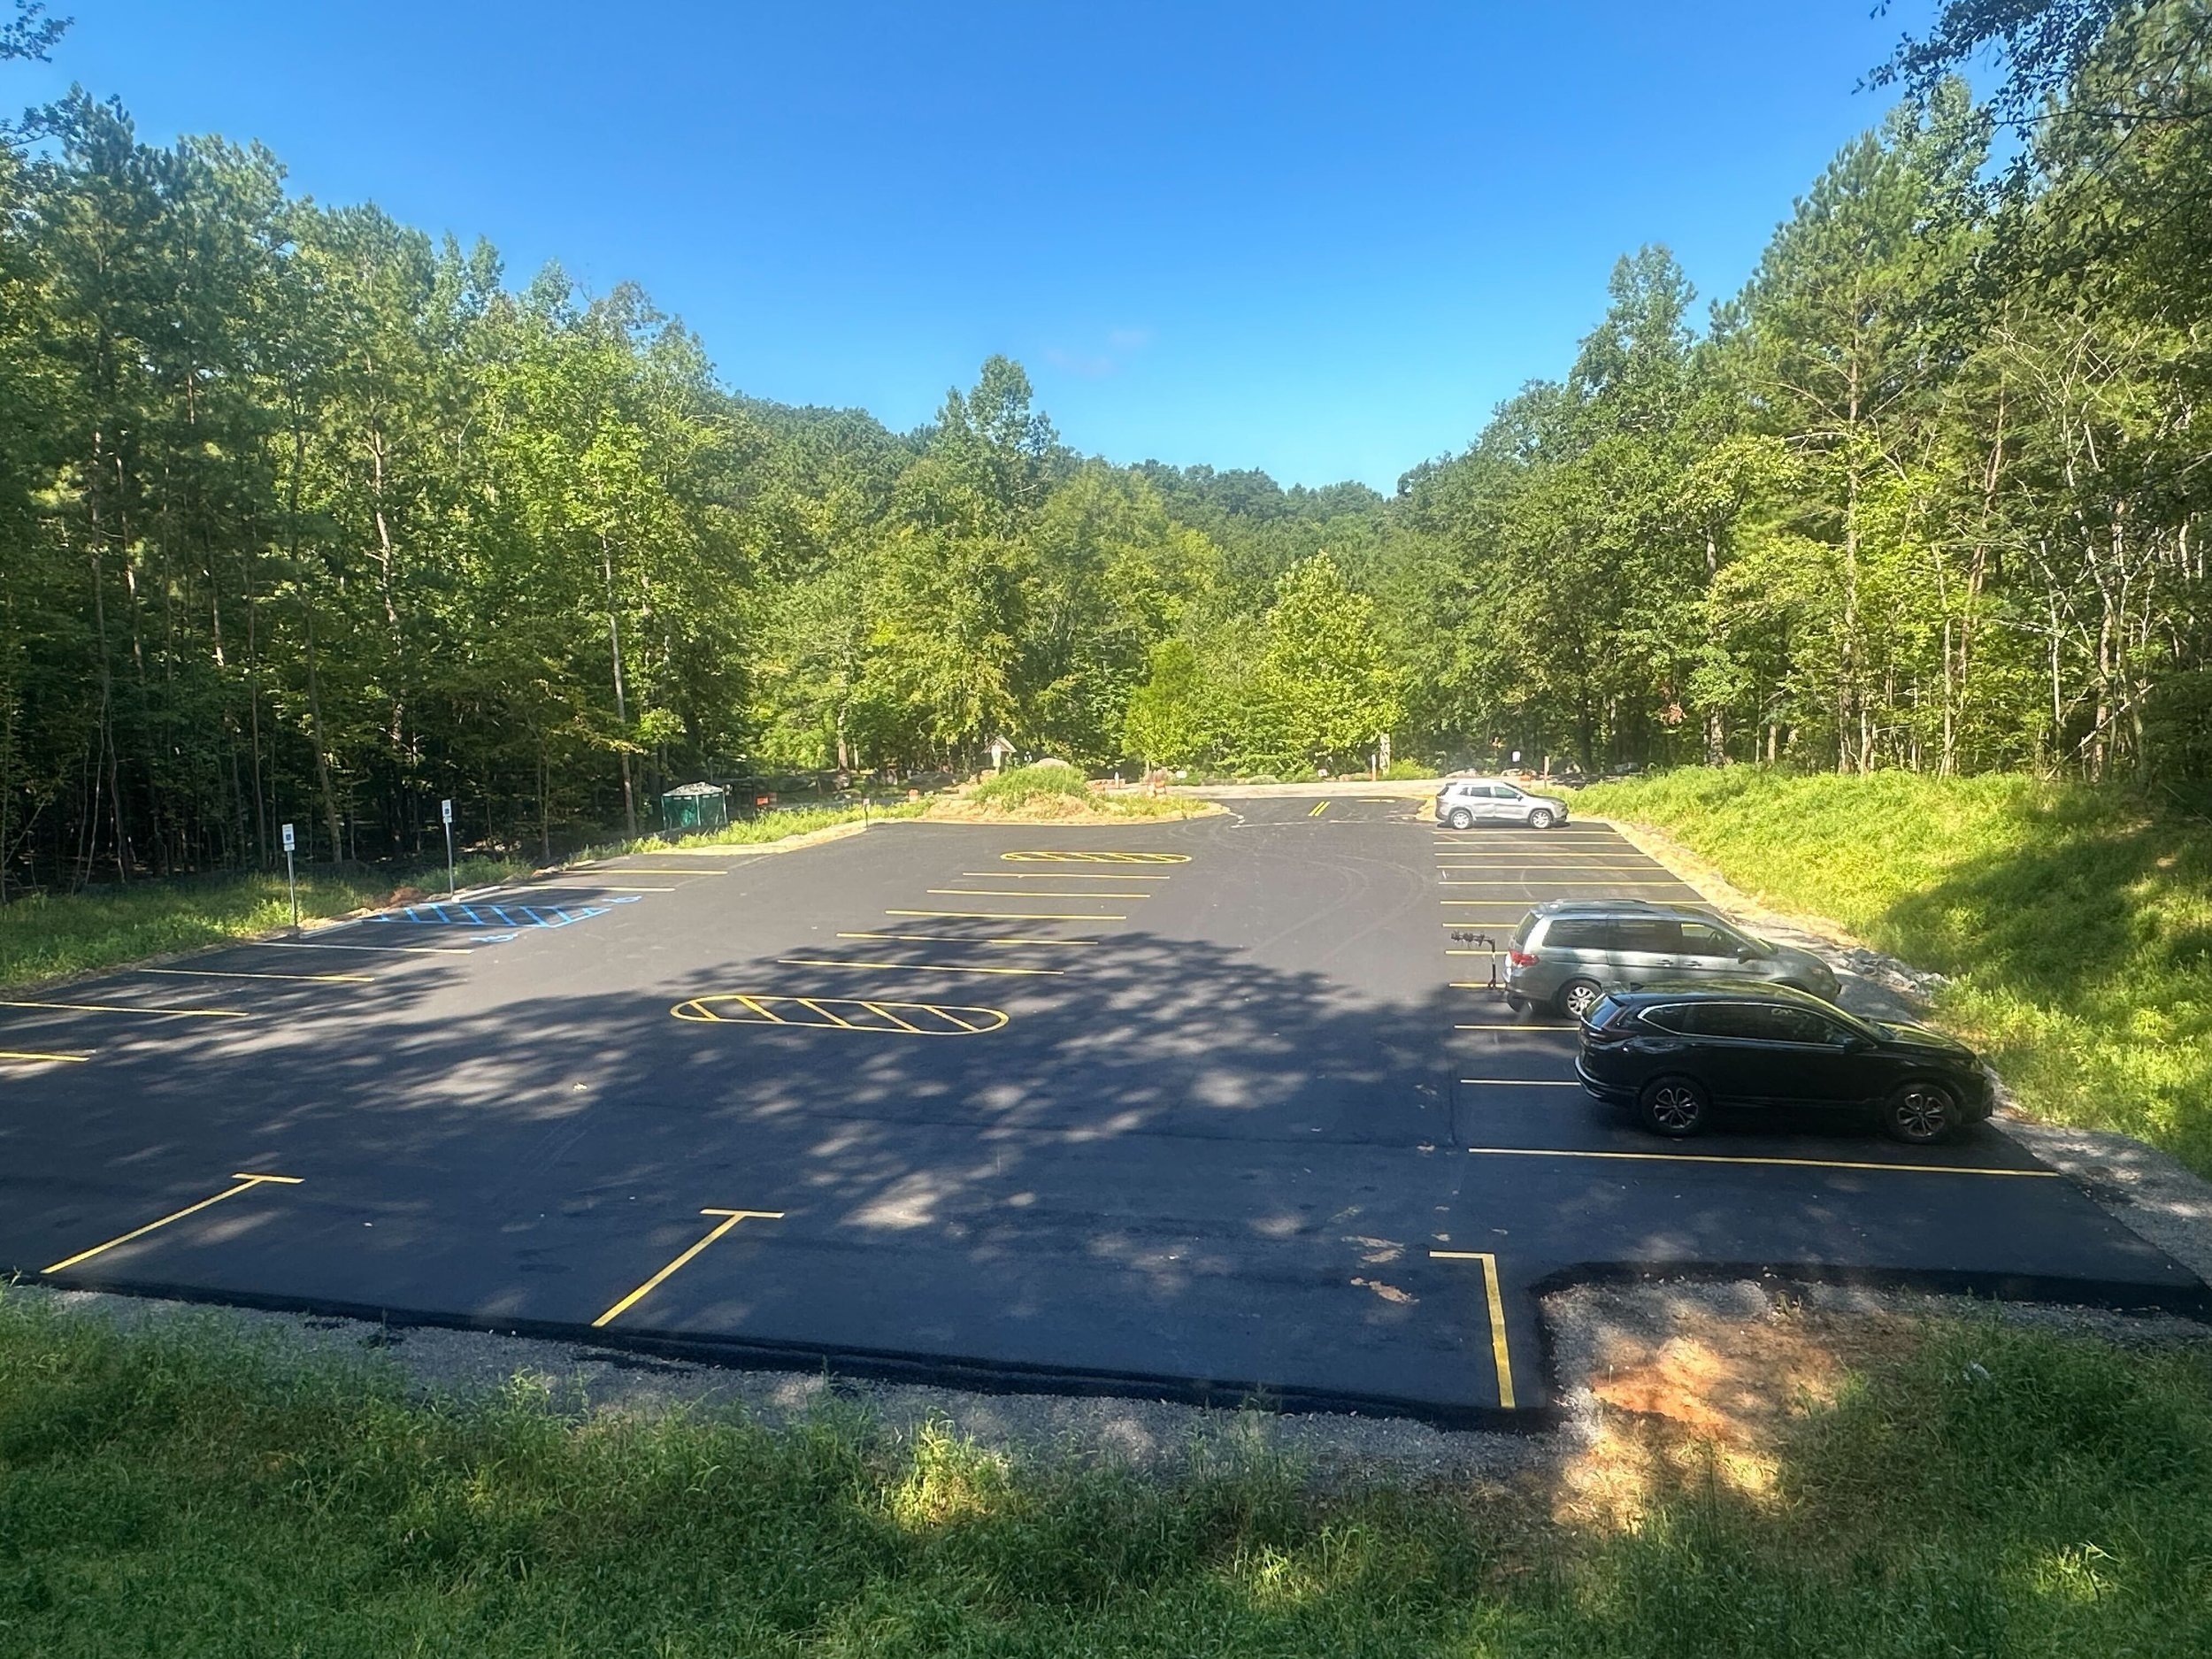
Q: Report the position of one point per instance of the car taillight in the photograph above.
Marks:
(1520, 958)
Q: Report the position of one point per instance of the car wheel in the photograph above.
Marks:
(1516, 1001)
(1674, 1107)
(1578, 997)
(1921, 1113)
(1539, 818)
(1461, 818)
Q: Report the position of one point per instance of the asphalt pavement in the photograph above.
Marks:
(1220, 1109)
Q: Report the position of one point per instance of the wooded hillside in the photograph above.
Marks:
(306, 515)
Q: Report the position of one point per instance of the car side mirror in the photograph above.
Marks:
(1745, 953)
(1855, 1044)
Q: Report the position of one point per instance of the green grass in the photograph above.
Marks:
(47, 937)
(2076, 925)
(178, 1492)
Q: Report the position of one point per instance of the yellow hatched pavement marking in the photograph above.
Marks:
(1318, 810)
(1048, 857)
(246, 1184)
(33, 1056)
(1500, 1355)
(730, 1218)
(823, 1013)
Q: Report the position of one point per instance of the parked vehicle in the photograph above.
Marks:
(1568, 953)
(1674, 1053)
(1464, 802)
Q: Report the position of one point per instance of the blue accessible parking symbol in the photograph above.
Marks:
(454, 914)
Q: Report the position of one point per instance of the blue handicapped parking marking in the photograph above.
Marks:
(455, 914)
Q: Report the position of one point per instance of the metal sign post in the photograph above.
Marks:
(291, 885)
(445, 811)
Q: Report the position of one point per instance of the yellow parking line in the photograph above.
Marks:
(32, 1056)
(415, 950)
(246, 1183)
(1519, 1082)
(221, 974)
(1053, 875)
(731, 1217)
(1795, 1163)
(1010, 916)
(1318, 810)
(1500, 1355)
(125, 1008)
(956, 939)
(914, 967)
(1020, 893)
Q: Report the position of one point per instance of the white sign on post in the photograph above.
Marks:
(445, 811)
(291, 889)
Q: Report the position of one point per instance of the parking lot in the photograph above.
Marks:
(1220, 1109)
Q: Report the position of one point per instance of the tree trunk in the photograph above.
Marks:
(315, 730)
(621, 701)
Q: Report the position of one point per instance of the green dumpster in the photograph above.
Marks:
(693, 807)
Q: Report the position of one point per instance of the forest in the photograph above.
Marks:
(306, 515)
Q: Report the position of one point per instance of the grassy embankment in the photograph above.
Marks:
(2077, 927)
(50, 937)
(1979, 1491)
(1056, 795)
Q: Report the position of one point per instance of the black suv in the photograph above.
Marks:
(1675, 1052)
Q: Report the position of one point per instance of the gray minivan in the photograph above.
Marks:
(1568, 953)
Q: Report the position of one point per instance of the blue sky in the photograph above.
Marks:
(1323, 240)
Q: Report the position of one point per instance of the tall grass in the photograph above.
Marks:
(2076, 925)
(181, 1493)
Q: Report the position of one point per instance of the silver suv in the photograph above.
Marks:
(1569, 953)
(1464, 802)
